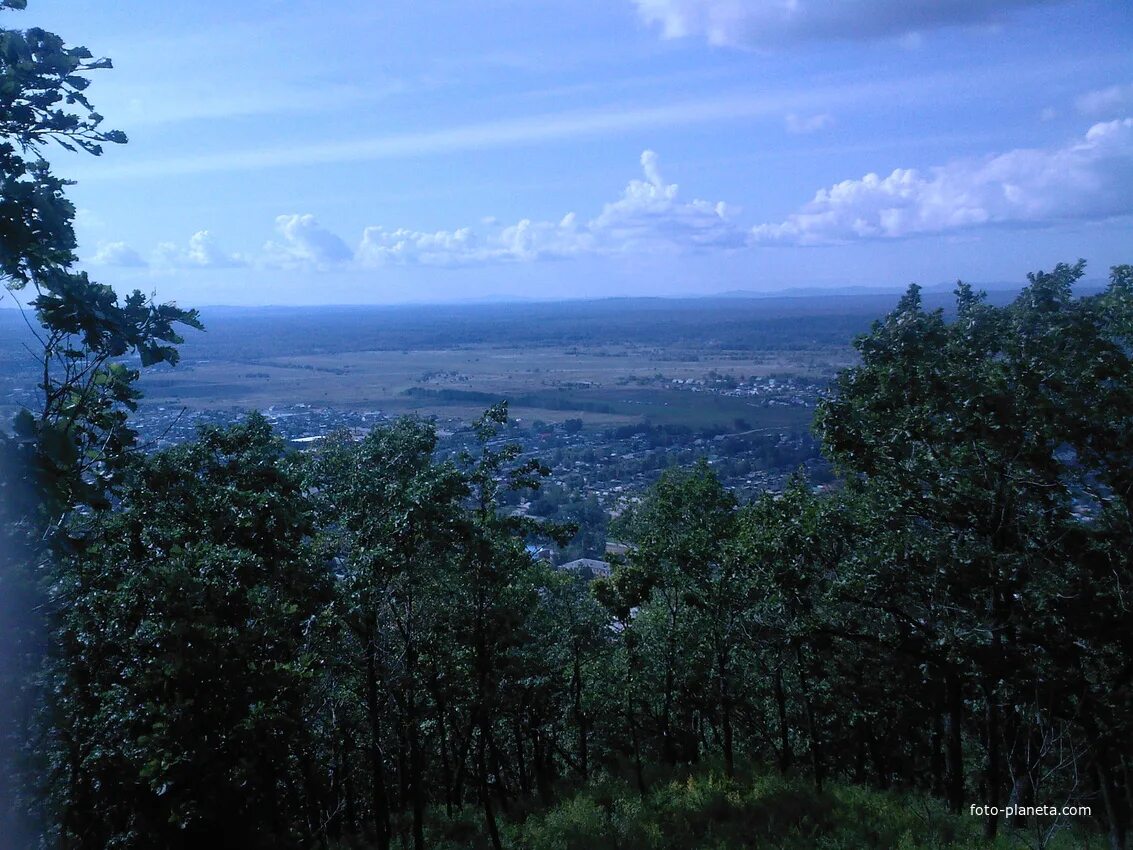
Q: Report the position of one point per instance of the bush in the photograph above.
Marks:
(708, 812)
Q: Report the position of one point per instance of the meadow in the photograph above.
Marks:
(608, 362)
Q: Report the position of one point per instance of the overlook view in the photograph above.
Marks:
(640, 424)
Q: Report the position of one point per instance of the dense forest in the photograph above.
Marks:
(232, 644)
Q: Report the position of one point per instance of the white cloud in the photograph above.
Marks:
(1088, 179)
(526, 240)
(809, 123)
(440, 248)
(772, 23)
(117, 254)
(541, 240)
(649, 215)
(202, 252)
(305, 243)
(1110, 102)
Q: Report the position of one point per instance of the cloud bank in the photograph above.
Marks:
(774, 23)
(1089, 179)
(649, 215)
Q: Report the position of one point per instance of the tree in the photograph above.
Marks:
(682, 580)
(79, 435)
(495, 602)
(390, 517)
(999, 447)
(183, 652)
(62, 460)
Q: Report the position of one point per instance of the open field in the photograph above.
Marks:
(607, 362)
(550, 382)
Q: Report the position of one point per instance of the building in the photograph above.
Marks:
(596, 567)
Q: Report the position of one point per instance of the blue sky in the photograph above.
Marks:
(359, 152)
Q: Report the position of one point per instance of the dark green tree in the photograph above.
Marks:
(184, 653)
(63, 459)
(495, 602)
(997, 447)
(390, 516)
(682, 580)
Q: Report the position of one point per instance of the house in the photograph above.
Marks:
(596, 567)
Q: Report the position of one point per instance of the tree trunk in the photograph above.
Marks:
(631, 715)
(936, 756)
(416, 769)
(785, 754)
(580, 717)
(446, 765)
(726, 717)
(954, 751)
(379, 798)
(403, 779)
(668, 747)
(811, 724)
(1018, 760)
(1114, 816)
(541, 755)
(520, 755)
(994, 759)
(861, 755)
(485, 791)
(1128, 777)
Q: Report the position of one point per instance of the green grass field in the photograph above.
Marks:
(548, 383)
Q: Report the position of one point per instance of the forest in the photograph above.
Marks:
(229, 643)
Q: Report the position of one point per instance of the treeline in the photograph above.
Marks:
(543, 401)
(265, 649)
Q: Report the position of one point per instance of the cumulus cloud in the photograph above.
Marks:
(772, 23)
(118, 254)
(800, 124)
(440, 248)
(1089, 179)
(523, 241)
(1111, 102)
(305, 243)
(541, 240)
(649, 215)
(202, 252)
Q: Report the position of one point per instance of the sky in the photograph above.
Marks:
(353, 152)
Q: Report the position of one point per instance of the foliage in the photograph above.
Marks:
(60, 463)
(707, 811)
(184, 651)
(77, 439)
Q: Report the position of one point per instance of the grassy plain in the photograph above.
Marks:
(611, 361)
(548, 382)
